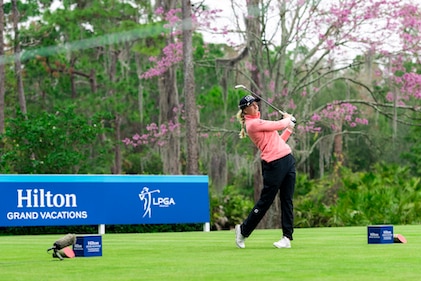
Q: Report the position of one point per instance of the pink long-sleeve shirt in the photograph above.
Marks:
(264, 134)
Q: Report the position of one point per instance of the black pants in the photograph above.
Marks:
(277, 175)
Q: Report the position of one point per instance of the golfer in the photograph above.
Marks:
(278, 169)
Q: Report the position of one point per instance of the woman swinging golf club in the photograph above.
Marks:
(278, 169)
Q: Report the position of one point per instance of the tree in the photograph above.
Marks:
(189, 91)
(51, 143)
(80, 57)
(169, 103)
(2, 68)
(173, 53)
(305, 44)
(296, 53)
(414, 154)
(17, 52)
(126, 59)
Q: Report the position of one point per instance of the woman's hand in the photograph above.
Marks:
(287, 115)
(292, 121)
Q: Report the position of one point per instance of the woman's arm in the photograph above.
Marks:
(267, 125)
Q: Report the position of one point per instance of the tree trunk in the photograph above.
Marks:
(189, 91)
(112, 74)
(112, 68)
(337, 147)
(2, 72)
(218, 170)
(139, 88)
(168, 100)
(338, 143)
(117, 147)
(18, 65)
(72, 77)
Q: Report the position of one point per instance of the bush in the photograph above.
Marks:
(50, 143)
(385, 195)
(229, 209)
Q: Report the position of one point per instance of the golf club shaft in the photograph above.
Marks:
(262, 99)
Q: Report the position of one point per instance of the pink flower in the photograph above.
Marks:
(316, 117)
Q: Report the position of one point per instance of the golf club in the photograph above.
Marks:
(268, 103)
(256, 95)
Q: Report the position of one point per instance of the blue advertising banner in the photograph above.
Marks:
(42, 200)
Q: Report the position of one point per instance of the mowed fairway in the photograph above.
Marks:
(316, 254)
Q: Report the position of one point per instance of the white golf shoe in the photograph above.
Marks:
(283, 243)
(239, 238)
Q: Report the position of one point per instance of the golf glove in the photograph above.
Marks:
(293, 119)
(291, 124)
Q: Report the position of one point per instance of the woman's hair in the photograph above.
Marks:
(242, 120)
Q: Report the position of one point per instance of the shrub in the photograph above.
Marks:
(229, 209)
(385, 195)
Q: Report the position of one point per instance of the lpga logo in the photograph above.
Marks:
(148, 201)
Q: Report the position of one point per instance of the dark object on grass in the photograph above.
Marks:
(60, 247)
(398, 238)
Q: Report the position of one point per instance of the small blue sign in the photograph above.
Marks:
(380, 234)
(42, 200)
(88, 246)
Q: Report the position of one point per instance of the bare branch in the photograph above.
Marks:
(233, 61)
(304, 154)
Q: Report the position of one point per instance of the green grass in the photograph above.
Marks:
(316, 254)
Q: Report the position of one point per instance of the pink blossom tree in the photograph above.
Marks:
(297, 52)
(167, 135)
(164, 72)
(294, 52)
(302, 48)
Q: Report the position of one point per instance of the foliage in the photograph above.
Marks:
(142, 161)
(413, 155)
(50, 143)
(229, 209)
(311, 209)
(387, 194)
